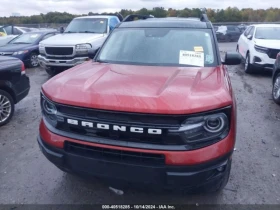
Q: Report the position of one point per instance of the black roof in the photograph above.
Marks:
(167, 23)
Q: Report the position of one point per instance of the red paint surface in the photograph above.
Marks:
(145, 89)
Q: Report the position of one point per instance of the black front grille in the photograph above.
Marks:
(145, 121)
(163, 139)
(124, 117)
(272, 53)
(59, 50)
(119, 156)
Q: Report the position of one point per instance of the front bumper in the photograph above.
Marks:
(262, 61)
(120, 175)
(22, 88)
(45, 62)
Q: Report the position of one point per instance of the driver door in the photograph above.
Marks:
(248, 41)
(243, 42)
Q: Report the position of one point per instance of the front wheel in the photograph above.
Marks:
(7, 107)
(248, 66)
(276, 89)
(51, 71)
(33, 62)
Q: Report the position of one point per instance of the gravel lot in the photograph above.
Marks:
(27, 177)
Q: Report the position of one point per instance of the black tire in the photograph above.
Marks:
(51, 71)
(248, 67)
(6, 113)
(276, 89)
(33, 60)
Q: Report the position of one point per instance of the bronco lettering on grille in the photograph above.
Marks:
(121, 128)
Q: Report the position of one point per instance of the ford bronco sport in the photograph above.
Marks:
(154, 108)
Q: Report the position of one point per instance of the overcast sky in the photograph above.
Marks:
(30, 7)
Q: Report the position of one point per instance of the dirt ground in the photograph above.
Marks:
(27, 177)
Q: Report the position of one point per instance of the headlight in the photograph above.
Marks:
(205, 128)
(49, 110)
(261, 49)
(20, 52)
(82, 48)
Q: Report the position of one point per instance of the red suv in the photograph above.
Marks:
(155, 107)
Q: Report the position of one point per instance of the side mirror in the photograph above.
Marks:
(249, 37)
(61, 30)
(232, 58)
(92, 53)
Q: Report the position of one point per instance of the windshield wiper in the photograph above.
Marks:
(101, 61)
(87, 32)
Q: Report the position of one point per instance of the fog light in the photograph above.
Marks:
(257, 59)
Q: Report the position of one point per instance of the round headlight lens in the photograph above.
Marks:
(214, 124)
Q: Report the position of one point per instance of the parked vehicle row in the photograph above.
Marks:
(9, 32)
(14, 86)
(228, 33)
(26, 47)
(259, 47)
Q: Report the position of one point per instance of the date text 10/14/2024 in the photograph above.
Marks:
(138, 207)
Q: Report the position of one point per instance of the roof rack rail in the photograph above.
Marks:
(204, 17)
(139, 17)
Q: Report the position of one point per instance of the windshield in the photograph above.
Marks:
(272, 33)
(26, 39)
(160, 46)
(87, 25)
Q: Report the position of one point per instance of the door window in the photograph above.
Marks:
(246, 32)
(251, 32)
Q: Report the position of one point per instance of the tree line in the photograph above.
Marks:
(230, 14)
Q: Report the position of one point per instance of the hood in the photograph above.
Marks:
(15, 47)
(5, 39)
(72, 39)
(144, 89)
(273, 44)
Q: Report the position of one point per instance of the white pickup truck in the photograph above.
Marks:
(71, 47)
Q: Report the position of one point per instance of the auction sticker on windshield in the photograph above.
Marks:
(191, 58)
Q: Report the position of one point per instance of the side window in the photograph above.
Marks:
(113, 23)
(8, 30)
(246, 32)
(17, 32)
(47, 36)
(252, 31)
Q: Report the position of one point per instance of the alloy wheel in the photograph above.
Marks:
(34, 60)
(276, 89)
(5, 108)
